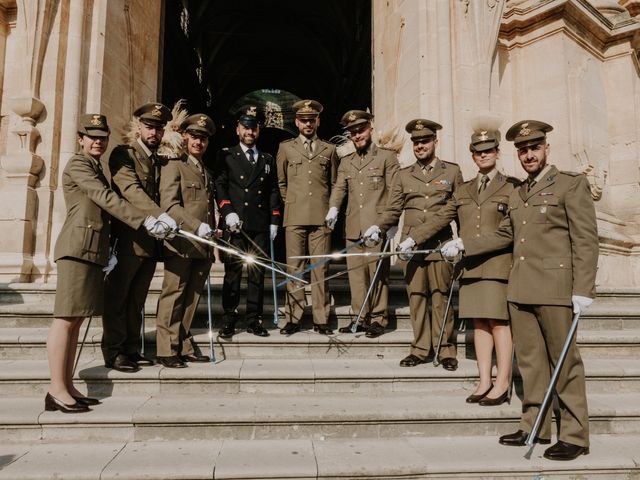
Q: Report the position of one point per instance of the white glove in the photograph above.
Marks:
(372, 236)
(405, 248)
(233, 222)
(452, 248)
(155, 228)
(204, 231)
(111, 263)
(392, 232)
(580, 303)
(171, 223)
(273, 232)
(331, 218)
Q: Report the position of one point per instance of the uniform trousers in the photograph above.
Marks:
(316, 240)
(361, 272)
(429, 279)
(126, 289)
(539, 332)
(182, 285)
(255, 274)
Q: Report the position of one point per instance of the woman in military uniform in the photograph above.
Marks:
(81, 254)
(479, 205)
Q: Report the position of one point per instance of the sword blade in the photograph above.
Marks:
(338, 255)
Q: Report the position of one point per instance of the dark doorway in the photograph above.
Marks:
(218, 51)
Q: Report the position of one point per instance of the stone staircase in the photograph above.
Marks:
(305, 406)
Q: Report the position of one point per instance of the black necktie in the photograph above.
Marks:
(530, 184)
(252, 159)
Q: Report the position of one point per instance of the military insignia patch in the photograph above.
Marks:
(525, 130)
(543, 209)
(156, 112)
(352, 117)
(419, 125)
(253, 111)
(267, 169)
(95, 121)
(306, 107)
(502, 207)
(483, 135)
(202, 122)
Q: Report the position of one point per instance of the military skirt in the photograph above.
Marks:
(483, 299)
(80, 288)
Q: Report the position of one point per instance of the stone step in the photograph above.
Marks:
(286, 416)
(479, 457)
(30, 343)
(291, 376)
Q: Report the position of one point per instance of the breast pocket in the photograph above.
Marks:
(543, 208)
(294, 167)
(194, 191)
(375, 180)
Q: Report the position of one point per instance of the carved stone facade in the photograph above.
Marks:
(572, 63)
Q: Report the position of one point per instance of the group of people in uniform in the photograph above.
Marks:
(525, 256)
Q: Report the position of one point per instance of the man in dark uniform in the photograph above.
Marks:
(552, 226)
(134, 171)
(307, 170)
(249, 205)
(421, 190)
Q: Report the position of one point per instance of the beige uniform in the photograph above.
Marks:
(421, 193)
(555, 255)
(134, 176)
(186, 194)
(305, 180)
(366, 179)
(483, 284)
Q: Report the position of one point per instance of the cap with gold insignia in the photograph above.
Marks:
(155, 114)
(422, 128)
(482, 140)
(199, 124)
(355, 118)
(94, 125)
(250, 116)
(528, 132)
(307, 108)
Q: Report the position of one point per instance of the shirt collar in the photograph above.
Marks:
(245, 149)
(542, 173)
(145, 149)
(492, 174)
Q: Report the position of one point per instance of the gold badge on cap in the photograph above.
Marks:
(306, 107)
(525, 130)
(95, 121)
(483, 135)
(202, 122)
(419, 125)
(156, 111)
(352, 117)
(253, 111)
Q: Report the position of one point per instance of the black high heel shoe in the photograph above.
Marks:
(51, 404)
(478, 397)
(86, 400)
(492, 402)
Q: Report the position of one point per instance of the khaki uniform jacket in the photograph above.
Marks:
(555, 240)
(305, 181)
(367, 180)
(134, 178)
(476, 216)
(90, 205)
(421, 197)
(186, 194)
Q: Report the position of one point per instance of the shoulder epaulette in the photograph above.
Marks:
(513, 180)
(572, 174)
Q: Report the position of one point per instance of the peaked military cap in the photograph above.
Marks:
(482, 140)
(422, 128)
(354, 118)
(307, 108)
(94, 125)
(155, 114)
(199, 124)
(528, 132)
(250, 116)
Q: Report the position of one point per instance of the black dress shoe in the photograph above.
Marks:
(492, 402)
(565, 451)
(519, 439)
(52, 404)
(375, 330)
(227, 331)
(195, 358)
(322, 329)
(411, 361)
(450, 364)
(347, 329)
(87, 400)
(257, 329)
(290, 328)
(172, 362)
(478, 397)
(122, 364)
(141, 360)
